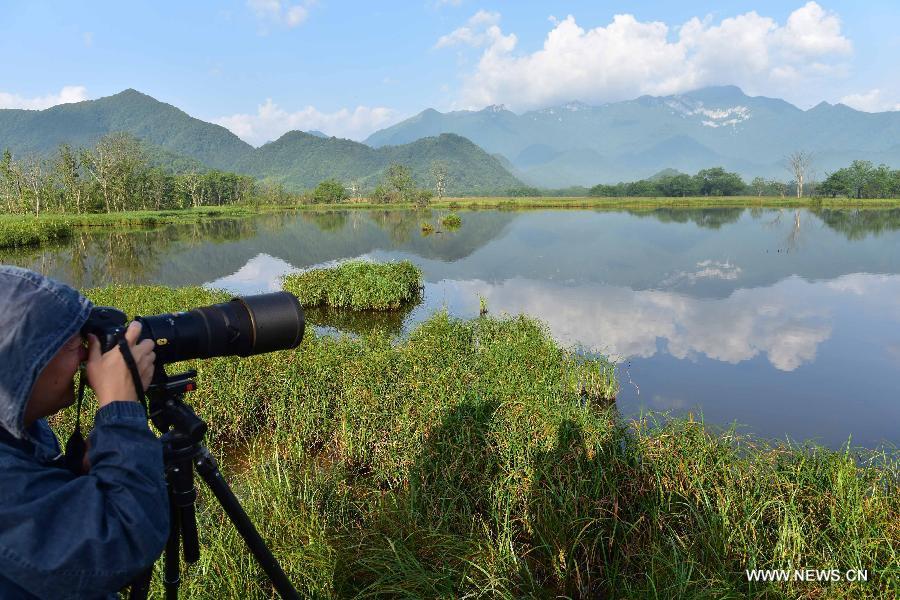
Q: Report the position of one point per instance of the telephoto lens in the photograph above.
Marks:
(241, 327)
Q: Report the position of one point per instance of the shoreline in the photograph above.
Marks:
(24, 231)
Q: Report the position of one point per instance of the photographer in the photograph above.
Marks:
(65, 534)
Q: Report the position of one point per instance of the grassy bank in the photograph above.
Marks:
(479, 459)
(357, 285)
(27, 230)
(21, 233)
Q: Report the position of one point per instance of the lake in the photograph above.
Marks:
(785, 322)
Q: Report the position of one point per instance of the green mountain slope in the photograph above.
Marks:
(301, 160)
(297, 160)
(154, 122)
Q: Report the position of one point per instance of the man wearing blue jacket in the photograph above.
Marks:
(67, 535)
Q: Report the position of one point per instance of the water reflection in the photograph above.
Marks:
(786, 320)
(710, 218)
(857, 224)
(779, 321)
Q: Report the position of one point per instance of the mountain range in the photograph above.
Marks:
(494, 149)
(297, 160)
(577, 144)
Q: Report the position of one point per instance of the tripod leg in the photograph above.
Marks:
(209, 471)
(140, 589)
(172, 569)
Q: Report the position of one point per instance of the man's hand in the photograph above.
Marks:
(109, 375)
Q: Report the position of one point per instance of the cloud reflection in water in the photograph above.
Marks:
(786, 321)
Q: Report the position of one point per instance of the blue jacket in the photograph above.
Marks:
(63, 535)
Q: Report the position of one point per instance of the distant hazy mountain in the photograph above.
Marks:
(301, 160)
(717, 126)
(298, 160)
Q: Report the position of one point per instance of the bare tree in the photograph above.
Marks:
(778, 186)
(10, 182)
(356, 189)
(67, 168)
(439, 172)
(799, 163)
(34, 176)
(759, 185)
(114, 165)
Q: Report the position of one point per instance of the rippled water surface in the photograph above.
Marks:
(785, 322)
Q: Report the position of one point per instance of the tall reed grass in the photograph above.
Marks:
(18, 232)
(480, 459)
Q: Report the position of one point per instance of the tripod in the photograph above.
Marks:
(183, 451)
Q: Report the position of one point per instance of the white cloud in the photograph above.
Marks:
(281, 13)
(88, 38)
(480, 29)
(871, 101)
(628, 57)
(68, 94)
(271, 122)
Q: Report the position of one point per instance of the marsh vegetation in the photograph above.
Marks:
(479, 458)
(357, 285)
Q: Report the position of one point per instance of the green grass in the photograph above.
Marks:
(451, 221)
(357, 285)
(20, 233)
(479, 459)
(27, 230)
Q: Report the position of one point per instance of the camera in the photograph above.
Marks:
(242, 326)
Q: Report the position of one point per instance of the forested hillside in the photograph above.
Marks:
(299, 161)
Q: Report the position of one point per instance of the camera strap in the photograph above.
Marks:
(75, 445)
(132, 368)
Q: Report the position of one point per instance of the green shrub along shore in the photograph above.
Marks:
(479, 459)
(357, 285)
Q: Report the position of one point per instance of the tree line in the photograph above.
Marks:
(122, 174)
(396, 186)
(118, 174)
(861, 179)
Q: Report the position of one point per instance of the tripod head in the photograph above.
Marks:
(167, 408)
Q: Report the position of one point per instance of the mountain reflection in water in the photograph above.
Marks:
(786, 321)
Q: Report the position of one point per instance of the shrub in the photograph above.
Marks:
(452, 221)
(330, 191)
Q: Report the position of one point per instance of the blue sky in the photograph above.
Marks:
(263, 67)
